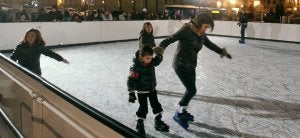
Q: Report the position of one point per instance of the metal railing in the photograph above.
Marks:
(12, 127)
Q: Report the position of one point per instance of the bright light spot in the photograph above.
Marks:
(232, 1)
(256, 3)
(219, 3)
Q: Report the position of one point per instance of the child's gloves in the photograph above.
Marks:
(132, 97)
(239, 24)
(225, 53)
(158, 50)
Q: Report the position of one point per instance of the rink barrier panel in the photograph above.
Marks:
(39, 109)
(73, 33)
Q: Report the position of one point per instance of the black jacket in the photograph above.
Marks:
(146, 39)
(142, 77)
(29, 57)
(190, 43)
(243, 18)
(55, 15)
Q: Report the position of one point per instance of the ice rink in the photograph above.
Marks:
(256, 94)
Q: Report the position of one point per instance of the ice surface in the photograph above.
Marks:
(256, 94)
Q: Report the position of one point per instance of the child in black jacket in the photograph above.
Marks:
(146, 36)
(143, 81)
(29, 51)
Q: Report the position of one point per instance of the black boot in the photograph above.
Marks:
(140, 126)
(242, 41)
(160, 125)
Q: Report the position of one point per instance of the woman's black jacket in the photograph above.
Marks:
(190, 42)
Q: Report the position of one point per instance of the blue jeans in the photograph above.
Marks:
(188, 79)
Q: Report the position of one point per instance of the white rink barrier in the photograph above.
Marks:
(68, 33)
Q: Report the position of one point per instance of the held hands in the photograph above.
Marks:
(158, 50)
(225, 53)
(132, 97)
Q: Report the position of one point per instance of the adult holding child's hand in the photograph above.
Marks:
(191, 39)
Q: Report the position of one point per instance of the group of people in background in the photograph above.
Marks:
(69, 14)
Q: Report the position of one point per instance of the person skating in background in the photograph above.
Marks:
(146, 36)
(29, 51)
(142, 80)
(243, 23)
(191, 39)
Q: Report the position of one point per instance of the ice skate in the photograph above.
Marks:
(187, 115)
(140, 126)
(182, 119)
(242, 41)
(160, 125)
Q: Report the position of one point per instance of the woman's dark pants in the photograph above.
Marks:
(188, 78)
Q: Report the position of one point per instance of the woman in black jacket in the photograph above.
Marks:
(191, 38)
(29, 51)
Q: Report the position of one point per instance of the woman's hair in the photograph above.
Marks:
(204, 18)
(146, 50)
(144, 27)
(38, 40)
